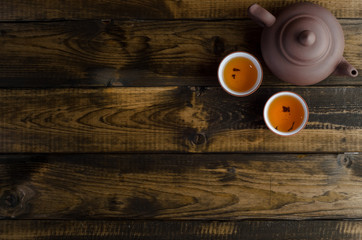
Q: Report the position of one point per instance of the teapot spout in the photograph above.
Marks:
(261, 15)
(345, 69)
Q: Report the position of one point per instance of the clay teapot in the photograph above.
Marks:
(304, 45)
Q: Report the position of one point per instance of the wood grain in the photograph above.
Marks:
(137, 53)
(177, 119)
(153, 9)
(181, 230)
(181, 186)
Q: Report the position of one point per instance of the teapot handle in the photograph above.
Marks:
(260, 15)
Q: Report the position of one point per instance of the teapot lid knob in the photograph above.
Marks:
(307, 38)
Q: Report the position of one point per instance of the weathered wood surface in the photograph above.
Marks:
(181, 230)
(137, 53)
(177, 119)
(21, 10)
(164, 55)
(181, 186)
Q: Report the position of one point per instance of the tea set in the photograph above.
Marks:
(302, 46)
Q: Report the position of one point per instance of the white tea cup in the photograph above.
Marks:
(286, 113)
(235, 71)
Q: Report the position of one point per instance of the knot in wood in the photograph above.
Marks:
(347, 161)
(198, 139)
(9, 200)
(231, 170)
(198, 90)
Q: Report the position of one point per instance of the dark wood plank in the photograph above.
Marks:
(178, 119)
(137, 53)
(153, 9)
(181, 230)
(181, 186)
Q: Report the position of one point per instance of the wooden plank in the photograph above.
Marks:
(177, 119)
(181, 186)
(181, 230)
(153, 9)
(137, 53)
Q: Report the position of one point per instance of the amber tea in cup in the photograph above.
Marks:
(240, 74)
(286, 113)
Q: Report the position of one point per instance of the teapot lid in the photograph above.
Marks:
(304, 45)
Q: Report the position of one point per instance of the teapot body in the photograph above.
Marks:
(303, 45)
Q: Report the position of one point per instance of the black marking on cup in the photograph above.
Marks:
(286, 109)
(291, 127)
(236, 70)
(233, 76)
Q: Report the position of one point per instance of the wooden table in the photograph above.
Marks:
(113, 126)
